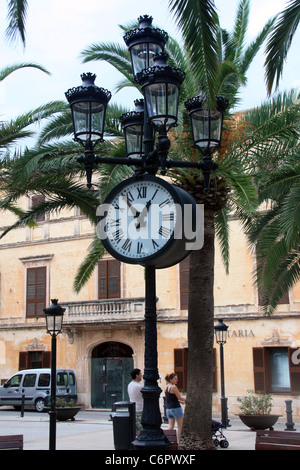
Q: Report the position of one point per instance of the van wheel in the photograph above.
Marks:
(39, 405)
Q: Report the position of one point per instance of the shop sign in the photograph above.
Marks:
(240, 333)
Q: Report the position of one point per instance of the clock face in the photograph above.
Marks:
(140, 219)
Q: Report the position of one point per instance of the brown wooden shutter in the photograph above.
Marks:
(102, 279)
(113, 279)
(294, 370)
(180, 367)
(184, 283)
(46, 359)
(109, 279)
(215, 379)
(23, 360)
(36, 201)
(259, 370)
(36, 291)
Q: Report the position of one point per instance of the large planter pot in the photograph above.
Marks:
(259, 421)
(63, 414)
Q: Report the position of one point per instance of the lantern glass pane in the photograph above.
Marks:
(81, 120)
(88, 120)
(54, 323)
(142, 56)
(215, 129)
(134, 140)
(200, 126)
(162, 103)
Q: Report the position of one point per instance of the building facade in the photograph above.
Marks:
(103, 328)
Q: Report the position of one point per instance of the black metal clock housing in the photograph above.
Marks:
(142, 222)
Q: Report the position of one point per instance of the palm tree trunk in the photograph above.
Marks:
(196, 432)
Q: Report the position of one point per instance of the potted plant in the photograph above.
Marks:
(256, 411)
(66, 409)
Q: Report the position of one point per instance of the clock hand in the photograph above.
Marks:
(142, 215)
(135, 213)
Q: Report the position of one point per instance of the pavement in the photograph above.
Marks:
(92, 430)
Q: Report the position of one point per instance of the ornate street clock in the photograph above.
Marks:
(142, 222)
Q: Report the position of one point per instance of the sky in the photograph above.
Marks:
(58, 30)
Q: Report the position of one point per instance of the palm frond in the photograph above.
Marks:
(17, 12)
(86, 269)
(279, 43)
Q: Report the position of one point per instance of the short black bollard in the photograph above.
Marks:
(290, 426)
(22, 405)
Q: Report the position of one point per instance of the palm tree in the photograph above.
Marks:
(218, 61)
(274, 232)
(231, 188)
(280, 42)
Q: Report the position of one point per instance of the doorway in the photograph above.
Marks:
(111, 364)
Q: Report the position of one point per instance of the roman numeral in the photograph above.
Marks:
(168, 217)
(164, 232)
(129, 196)
(155, 245)
(164, 203)
(117, 235)
(142, 192)
(115, 223)
(127, 245)
(139, 248)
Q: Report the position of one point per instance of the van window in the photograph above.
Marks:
(62, 378)
(44, 380)
(29, 380)
(71, 379)
(14, 381)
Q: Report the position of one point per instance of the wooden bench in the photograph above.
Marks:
(172, 437)
(277, 440)
(14, 442)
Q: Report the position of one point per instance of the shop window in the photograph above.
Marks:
(109, 279)
(36, 201)
(181, 368)
(34, 359)
(275, 371)
(184, 270)
(36, 291)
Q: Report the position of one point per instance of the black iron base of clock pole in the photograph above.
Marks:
(152, 436)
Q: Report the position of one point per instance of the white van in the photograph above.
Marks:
(35, 385)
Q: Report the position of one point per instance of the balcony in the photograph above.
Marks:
(104, 311)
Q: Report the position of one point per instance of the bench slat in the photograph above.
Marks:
(13, 442)
(277, 440)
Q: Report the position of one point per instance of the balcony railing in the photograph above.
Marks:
(104, 310)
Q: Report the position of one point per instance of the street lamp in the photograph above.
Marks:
(144, 43)
(54, 317)
(221, 338)
(160, 85)
(133, 127)
(88, 106)
(207, 128)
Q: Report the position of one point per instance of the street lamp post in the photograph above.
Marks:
(221, 338)
(157, 112)
(54, 317)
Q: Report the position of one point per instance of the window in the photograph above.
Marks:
(15, 381)
(29, 380)
(181, 368)
(275, 371)
(36, 201)
(184, 270)
(28, 359)
(44, 380)
(36, 291)
(108, 279)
